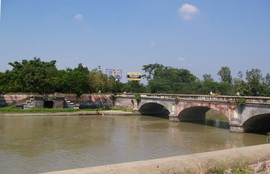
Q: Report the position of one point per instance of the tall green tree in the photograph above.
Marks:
(134, 87)
(225, 74)
(98, 81)
(163, 79)
(34, 75)
(254, 81)
(207, 77)
(74, 81)
(150, 70)
(267, 79)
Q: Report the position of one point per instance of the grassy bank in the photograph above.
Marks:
(13, 109)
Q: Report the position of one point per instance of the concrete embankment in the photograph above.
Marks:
(256, 158)
(79, 113)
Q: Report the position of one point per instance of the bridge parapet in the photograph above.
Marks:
(204, 98)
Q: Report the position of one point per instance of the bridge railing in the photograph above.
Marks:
(191, 97)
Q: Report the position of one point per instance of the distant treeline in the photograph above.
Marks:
(43, 77)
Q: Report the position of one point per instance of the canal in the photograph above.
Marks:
(46, 143)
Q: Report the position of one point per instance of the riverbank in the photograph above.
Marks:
(252, 159)
(78, 113)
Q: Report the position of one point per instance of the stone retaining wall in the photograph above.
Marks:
(12, 99)
(255, 159)
(85, 101)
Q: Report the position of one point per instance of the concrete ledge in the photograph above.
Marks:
(256, 157)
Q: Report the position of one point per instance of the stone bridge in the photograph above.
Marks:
(244, 113)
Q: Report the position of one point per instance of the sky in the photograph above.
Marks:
(198, 35)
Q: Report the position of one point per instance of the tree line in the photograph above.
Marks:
(37, 76)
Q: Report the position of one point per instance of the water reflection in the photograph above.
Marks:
(217, 123)
(40, 144)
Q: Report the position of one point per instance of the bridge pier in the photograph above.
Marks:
(174, 118)
(236, 129)
(235, 122)
(172, 115)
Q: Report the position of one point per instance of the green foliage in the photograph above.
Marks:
(225, 74)
(42, 77)
(150, 70)
(121, 109)
(138, 98)
(207, 77)
(159, 86)
(176, 100)
(13, 109)
(241, 101)
(163, 79)
(74, 81)
(33, 75)
(234, 167)
(207, 86)
(242, 171)
(134, 87)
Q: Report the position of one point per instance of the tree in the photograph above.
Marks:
(254, 81)
(254, 75)
(225, 74)
(240, 74)
(3, 82)
(207, 86)
(267, 79)
(34, 75)
(98, 80)
(165, 79)
(207, 77)
(134, 87)
(10, 82)
(73, 80)
(150, 70)
(266, 85)
(159, 86)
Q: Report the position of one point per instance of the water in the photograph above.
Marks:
(42, 144)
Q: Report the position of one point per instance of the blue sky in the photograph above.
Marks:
(201, 36)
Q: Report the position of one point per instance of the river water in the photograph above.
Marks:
(47, 143)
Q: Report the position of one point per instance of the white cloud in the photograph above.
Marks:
(78, 17)
(187, 11)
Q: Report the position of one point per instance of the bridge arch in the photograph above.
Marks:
(258, 123)
(255, 118)
(196, 113)
(154, 109)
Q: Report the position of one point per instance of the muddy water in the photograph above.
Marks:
(42, 144)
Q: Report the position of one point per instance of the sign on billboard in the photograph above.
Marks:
(116, 73)
(134, 75)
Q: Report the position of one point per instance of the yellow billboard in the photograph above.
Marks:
(134, 75)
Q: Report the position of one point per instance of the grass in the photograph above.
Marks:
(121, 109)
(13, 109)
(234, 167)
